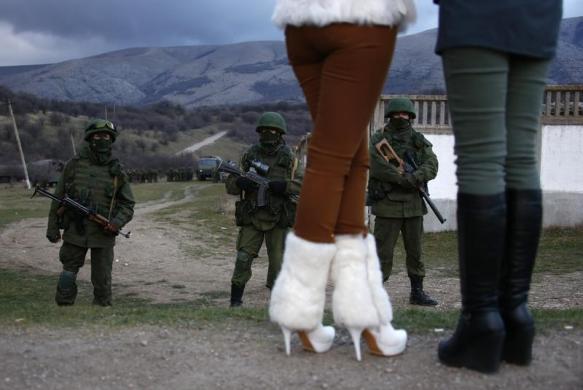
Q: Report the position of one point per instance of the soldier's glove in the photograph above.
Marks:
(111, 228)
(245, 184)
(409, 181)
(54, 237)
(278, 187)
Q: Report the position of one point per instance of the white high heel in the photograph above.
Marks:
(299, 293)
(317, 340)
(385, 341)
(355, 333)
(352, 299)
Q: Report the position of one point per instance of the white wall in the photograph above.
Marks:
(562, 158)
(561, 177)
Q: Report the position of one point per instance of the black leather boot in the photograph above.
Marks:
(522, 237)
(418, 295)
(236, 295)
(66, 289)
(478, 339)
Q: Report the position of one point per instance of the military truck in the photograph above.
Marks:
(206, 167)
(42, 172)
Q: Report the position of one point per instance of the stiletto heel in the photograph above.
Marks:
(286, 339)
(318, 340)
(355, 334)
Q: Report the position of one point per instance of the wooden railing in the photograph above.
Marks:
(562, 105)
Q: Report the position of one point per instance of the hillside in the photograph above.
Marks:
(150, 136)
(251, 72)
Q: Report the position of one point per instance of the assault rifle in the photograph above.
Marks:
(407, 166)
(91, 214)
(257, 168)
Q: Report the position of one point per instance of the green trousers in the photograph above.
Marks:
(495, 104)
(386, 232)
(73, 257)
(248, 244)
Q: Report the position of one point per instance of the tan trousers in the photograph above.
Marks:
(341, 69)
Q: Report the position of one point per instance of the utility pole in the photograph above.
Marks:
(19, 145)
(73, 142)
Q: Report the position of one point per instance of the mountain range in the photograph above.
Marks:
(250, 72)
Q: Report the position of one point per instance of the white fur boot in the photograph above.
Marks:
(382, 340)
(353, 301)
(299, 293)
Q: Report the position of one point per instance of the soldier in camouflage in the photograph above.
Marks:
(271, 222)
(395, 198)
(95, 179)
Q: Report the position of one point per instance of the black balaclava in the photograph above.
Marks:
(269, 141)
(400, 127)
(101, 149)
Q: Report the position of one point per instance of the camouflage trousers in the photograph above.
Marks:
(249, 243)
(386, 232)
(73, 257)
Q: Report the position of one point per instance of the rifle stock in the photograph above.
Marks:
(407, 165)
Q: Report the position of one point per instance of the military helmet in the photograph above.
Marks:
(401, 105)
(272, 119)
(100, 126)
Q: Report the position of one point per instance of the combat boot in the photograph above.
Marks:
(66, 289)
(478, 339)
(418, 295)
(236, 295)
(524, 226)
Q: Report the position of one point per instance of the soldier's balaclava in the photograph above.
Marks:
(101, 149)
(269, 140)
(400, 127)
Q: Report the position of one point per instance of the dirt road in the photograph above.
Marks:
(154, 265)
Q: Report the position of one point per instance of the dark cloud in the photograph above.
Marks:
(40, 31)
(144, 22)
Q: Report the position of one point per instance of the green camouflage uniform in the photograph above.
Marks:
(396, 202)
(270, 222)
(93, 184)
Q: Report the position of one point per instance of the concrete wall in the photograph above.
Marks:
(561, 178)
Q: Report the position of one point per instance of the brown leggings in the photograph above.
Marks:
(341, 69)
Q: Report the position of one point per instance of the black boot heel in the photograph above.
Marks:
(477, 343)
(519, 336)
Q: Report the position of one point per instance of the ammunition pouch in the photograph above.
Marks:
(243, 211)
(288, 214)
(377, 191)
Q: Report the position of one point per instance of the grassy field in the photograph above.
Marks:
(24, 299)
(24, 302)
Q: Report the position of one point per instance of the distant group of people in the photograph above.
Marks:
(340, 53)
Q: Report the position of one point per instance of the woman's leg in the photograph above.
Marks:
(526, 83)
(354, 62)
(476, 82)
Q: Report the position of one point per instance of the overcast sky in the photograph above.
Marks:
(46, 31)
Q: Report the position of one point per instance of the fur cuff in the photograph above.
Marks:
(299, 293)
(375, 279)
(325, 12)
(352, 300)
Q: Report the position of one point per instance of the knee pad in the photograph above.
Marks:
(66, 288)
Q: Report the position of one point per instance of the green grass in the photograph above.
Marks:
(16, 204)
(560, 251)
(26, 299)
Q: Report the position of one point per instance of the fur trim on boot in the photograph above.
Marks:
(299, 292)
(352, 300)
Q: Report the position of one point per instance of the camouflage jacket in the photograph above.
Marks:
(102, 187)
(391, 195)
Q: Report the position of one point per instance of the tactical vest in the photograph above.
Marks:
(279, 209)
